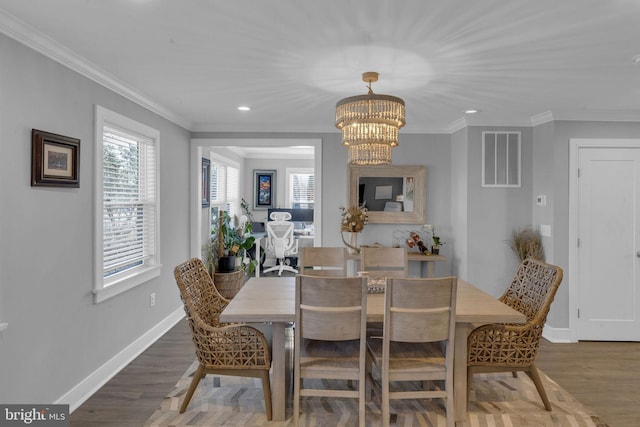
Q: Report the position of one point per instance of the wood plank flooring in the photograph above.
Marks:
(604, 376)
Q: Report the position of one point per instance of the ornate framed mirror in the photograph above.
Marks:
(392, 194)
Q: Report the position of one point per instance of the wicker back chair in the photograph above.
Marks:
(514, 347)
(221, 348)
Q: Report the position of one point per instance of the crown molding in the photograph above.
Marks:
(34, 39)
(459, 124)
(542, 118)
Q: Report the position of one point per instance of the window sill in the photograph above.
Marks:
(125, 283)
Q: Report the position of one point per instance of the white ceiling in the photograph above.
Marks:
(195, 61)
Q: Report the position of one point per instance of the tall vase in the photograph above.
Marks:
(352, 244)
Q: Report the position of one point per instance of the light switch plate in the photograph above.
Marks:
(541, 200)
(545, 230)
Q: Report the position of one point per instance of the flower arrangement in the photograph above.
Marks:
(354, 218)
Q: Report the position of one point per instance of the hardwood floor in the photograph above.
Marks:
(603, 375)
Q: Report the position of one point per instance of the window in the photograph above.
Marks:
(127, 208)
(501, 159)
(225, 188)
(300, 188)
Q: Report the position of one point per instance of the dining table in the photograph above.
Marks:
(272, 300)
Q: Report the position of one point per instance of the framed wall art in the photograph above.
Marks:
(206, 183)
(264, 189)
(55, 160)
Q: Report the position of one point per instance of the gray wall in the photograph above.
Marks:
(492, 215)
(57, 336)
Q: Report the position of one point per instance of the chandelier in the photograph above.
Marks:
(370, 124)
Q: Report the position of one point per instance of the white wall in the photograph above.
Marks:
(57, 337)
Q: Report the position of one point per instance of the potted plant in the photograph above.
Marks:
(226, 254)
(437, 242)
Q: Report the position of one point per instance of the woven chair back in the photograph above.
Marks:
(533, 289)
(199, 295)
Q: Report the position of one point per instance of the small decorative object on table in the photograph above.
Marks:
(437, 242)
(353, 221)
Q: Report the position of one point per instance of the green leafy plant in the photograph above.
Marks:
(229, 239)
(245, 210)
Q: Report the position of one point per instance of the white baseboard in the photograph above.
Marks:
(557, 335)
(87, 387)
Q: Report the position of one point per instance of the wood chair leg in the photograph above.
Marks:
(296, 397)
(266, 390)
(194, 384)
(362, 389)
(535, 377)
(469, 381)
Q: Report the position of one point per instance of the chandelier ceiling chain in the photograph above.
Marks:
(370, 124)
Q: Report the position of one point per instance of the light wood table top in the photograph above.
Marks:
(272, 299)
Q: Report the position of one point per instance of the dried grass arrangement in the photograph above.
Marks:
(527, 243)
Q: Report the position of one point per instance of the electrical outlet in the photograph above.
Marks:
(152, 299)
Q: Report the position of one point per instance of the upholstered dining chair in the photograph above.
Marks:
(330, 338)
(221, 348)
(323, 261)
(514, 347)
(417, 343)
(281, 241)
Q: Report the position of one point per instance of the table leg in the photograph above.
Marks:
(430, 268)
(460, 371)
(257, 243)
(278, 373)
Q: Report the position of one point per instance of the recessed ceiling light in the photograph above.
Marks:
(471, 111)
(244, 108)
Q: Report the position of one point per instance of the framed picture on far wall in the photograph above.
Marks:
(264, 189)
(206, 183)
(55, 160)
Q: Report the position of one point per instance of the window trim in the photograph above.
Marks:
(104, 289)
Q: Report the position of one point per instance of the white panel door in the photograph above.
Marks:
(609, 249)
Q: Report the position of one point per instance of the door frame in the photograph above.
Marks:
(575, 144)
(196, 150)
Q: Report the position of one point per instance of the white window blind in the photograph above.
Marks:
(128, 201)
(301, 188)
(225, 188)
(127, 205)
